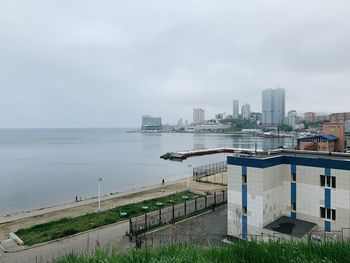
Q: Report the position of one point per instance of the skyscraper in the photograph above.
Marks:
(246, 111)
(235, 109)
(198, 116)
(273, 107)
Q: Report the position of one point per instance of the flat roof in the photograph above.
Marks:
(293, 157)
(302, 153)
(290, 226)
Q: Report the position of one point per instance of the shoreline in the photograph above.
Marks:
(61, 206)
(73, 209)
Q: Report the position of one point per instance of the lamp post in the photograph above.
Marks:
(188, 178)
(100, 179)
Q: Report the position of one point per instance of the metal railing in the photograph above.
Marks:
(174, 213)
(209, 169)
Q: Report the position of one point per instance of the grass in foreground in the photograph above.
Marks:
(269, 252)
(69, 226)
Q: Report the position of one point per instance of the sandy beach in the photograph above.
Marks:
(26, 219)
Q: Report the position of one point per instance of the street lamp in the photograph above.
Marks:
(100, 179)
(188, 178)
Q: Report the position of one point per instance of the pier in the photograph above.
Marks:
(186, 154)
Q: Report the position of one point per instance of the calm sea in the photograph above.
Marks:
(42, 167)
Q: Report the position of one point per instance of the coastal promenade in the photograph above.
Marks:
(27, 219)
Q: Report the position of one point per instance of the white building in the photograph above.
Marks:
(289, 192)
(198, 116)
(292, 118)
(235, 111)
(246, 111)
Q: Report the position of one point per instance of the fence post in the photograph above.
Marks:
(205, 201)
(214, 198)
(223, 196)
(195, 204)
(130, 227)
(160, 216)
(173, 214)
(185, 207)
(145, 221)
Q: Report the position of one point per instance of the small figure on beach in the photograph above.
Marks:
(76, 198)
(162, 181)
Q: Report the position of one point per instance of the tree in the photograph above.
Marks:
(285, 127)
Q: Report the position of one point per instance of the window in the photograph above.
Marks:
(327, 213)
(333, 182)
(293, 206)
(328, 181)
(244, 178)
(322, 180)
(244, 210)
(294, 177)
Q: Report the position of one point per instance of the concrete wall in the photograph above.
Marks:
(269, 196)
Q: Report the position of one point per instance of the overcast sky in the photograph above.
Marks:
(81, 63)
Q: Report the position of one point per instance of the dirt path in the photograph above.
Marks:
(23, 220)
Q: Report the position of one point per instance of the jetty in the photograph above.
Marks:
(179, 156)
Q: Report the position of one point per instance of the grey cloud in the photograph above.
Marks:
(106, 63)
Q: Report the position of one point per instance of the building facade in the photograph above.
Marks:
(292, 118)
(235, 112)
(220, 116)
(293, 188)
(246, 111)
(310, 116)
(150, 123)
(198, 116)
(337, 129)
(339, 117)
(273, 107)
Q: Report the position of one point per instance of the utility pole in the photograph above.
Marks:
(100, 179)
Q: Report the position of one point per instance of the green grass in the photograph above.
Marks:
(269, 252)
(69, 226)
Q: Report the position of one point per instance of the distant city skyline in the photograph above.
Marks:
(105, 64)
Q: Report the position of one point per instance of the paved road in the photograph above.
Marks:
(108, 237)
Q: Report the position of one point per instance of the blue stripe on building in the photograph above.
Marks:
(293, 192)
(293, 215)
(293, 168)
(327, 198)
(327, 226)
(244, 203)
(277, 160)
(244, 195)
(244, 226)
